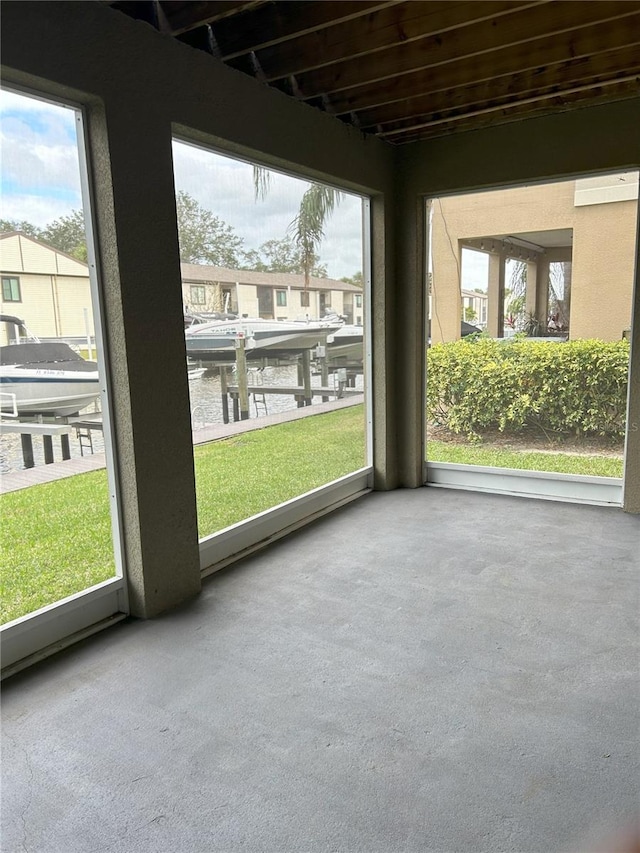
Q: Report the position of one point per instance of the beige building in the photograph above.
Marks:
(272, 296)
(589, 223)
(45, 287)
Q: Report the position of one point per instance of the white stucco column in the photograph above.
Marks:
(495, 306)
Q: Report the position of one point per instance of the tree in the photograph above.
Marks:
(281, 256)
(204, 238)
(65, 234)
(307, 228)
(28, 228)
(357, 279)
(68, 235)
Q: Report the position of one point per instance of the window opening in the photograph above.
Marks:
(530, 297)
(281, 346)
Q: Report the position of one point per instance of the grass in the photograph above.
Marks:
(560, 463)
(239, 477)
(56, 540)
(56, 537)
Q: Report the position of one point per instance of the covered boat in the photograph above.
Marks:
(44, 378)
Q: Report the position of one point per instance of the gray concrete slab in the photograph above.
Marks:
(423, 670)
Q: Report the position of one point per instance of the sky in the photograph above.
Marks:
(40, 182)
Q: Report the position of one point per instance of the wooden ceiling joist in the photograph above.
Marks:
(397, 25)
(530, 56)
(496, 34)
(522, 84)
(406, 70)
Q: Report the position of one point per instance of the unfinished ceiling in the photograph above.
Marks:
(406, 71)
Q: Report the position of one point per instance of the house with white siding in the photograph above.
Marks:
(45, 287)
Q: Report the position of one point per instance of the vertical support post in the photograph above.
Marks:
(531, 298)
(48, 449)
(27, 450)
(64, 444)
(300, 399)
(495, 307)
(225, 394)
(324, 370)
(306, 377)
(542, 298)
(241, 371)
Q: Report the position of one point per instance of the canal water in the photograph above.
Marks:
(206, 409)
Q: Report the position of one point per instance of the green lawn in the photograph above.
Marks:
(56, 537)
(560, 463)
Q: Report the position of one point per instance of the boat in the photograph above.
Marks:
(344, 346)
(216, 341)
(43, 378)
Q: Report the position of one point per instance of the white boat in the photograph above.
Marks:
(39, 378)
(345, 346)
(216, 341)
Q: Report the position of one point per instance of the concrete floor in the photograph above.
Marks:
(423, 670)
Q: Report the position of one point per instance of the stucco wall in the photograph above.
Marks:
(603, 269)
(603, 251)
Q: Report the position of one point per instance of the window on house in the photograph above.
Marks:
(11, 289)
(358, 300)
(304, 299)
(281, 298)
(198, 294)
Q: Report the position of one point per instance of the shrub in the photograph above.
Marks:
(577, 387)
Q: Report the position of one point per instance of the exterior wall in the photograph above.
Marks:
(603, 247)
(54, 289)
(52, 306)
(603, 263)
(522, 209)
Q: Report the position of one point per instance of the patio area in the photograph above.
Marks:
(423, 670)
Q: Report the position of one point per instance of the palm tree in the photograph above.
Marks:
(307, 228)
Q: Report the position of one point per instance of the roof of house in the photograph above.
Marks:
(65, 264)
(202, 272)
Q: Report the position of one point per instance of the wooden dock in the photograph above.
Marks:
(16, 480)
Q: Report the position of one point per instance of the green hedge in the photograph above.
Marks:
(578, 387)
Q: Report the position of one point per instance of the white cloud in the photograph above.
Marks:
(40, 170)
(225, 186)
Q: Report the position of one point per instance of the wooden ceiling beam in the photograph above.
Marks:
(402, 114)
(498, 33)
(522, 113)
(543, 104)
(395, 25)
(276, 22)
(467, 72)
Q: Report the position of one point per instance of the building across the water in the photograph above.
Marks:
(50, 291)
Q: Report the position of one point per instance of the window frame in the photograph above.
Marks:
(201, 289)
(10, 279)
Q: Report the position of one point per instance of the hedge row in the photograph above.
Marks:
(577, 387)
